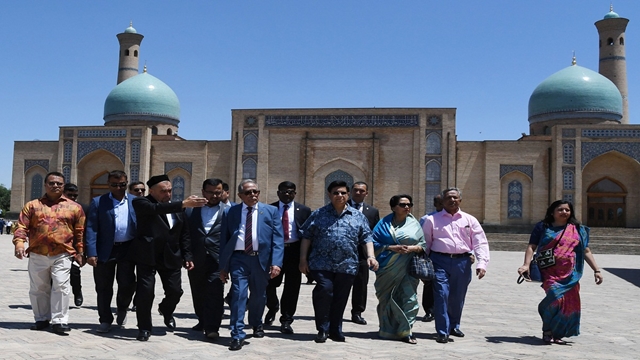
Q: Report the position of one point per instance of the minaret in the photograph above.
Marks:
(129, 53)
(613, 63)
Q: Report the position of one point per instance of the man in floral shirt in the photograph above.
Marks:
(53, 225)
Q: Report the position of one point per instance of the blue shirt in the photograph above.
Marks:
(335, 238)
(123, 232)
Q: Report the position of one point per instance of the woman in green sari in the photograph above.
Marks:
(396, 238)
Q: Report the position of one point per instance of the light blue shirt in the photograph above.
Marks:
(209, 215)
(123, 232)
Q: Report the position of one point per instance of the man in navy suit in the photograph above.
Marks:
(252, 246)
(359, 191)
(293, 215)
(111, 225)
(206, 287)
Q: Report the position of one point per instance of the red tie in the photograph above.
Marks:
(248, 231)
(285, 222)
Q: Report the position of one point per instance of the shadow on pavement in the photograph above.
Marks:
(631, 275)
(528, 340)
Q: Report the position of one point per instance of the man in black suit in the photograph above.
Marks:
(162, 245)
(359, 192)
(293, 215)
(206, 287)
(71, 191)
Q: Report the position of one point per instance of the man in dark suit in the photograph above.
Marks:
(252, 246)
(111, 227)
(293, 215)
(359, 191)
(162, 245)
(206, 287)
(71, 191)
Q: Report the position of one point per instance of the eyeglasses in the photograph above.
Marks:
(55, 183)
(138, 190)
(251, 192)
(288, 192)
(404, 205)
(213, 193)
(118, 185)
(339, 193)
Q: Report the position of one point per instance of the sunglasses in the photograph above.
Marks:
(138, 190)
(404, 205)
(288, 192)
(55, 183)
(252, 192)
(339, 193)
(118, 185)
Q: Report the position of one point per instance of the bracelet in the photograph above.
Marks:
(596, 272)
(371, 257)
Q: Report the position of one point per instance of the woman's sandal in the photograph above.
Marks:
(409, 340)
(547, 338)
(559, 341)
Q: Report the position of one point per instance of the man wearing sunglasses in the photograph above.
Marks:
(252, 249)
(111, 227)
(51, 251)
(137, 188)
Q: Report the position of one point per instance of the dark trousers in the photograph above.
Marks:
(75, 279)
(207, 291)
(291, 272)
(172, 285)
(118, 266)
(359, 295)
(247, 275)
(330, 297)
(453, 276)
(427, 297)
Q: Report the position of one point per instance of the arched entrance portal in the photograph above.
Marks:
(606, 203)
(100, 184)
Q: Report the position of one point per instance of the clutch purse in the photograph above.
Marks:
(421, 267)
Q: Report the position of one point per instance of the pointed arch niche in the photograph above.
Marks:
(336, 169)
(515, 199)
(93, 171)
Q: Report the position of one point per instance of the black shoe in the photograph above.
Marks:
(456, 333)
(270, 317)
(338, 337)
(236, 344)
(428, 317)
(358, 319)
(442, 339)
(77, 298)
(286, 329)
(321, 337)
(169, 320)
(40, 325)
(198, 327)
(61, 328)
(258, 331)
(143, 335)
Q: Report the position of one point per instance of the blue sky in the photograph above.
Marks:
(60, 58)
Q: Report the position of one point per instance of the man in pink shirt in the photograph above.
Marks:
(452, 237)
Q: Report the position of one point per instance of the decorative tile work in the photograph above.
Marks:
(107, 133)
(567, 180)
(186, 166)
(433, 171)
(117, 148)
(67, 133)
(591, 150)
(135, 151)
(134, 172)
(525, 169)
(28, 164)
(605, 133)
(251, 121)
(68, 151)
(514, 204)
(177, 193)
(249, 169)
(568, 133)
(567, 153)
(434, 143)
(136, 133)
(36, 186)
(250, 142)
(342, 120)
(66, 171)
(432, 189)
(336, 176)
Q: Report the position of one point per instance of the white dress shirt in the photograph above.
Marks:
(254, 228)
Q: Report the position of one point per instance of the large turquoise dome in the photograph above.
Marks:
(575, 92)
(142, 97)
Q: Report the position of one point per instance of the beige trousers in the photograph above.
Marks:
(50, 287)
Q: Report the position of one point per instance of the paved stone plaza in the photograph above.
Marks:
(500, 320)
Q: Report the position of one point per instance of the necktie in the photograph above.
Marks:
(285, 222)
(358, 206)
(248, 231)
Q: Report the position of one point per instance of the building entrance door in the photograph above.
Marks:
(606, 204)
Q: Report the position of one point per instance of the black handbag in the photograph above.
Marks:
(421, 267)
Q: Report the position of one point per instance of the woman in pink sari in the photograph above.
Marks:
(561, 232)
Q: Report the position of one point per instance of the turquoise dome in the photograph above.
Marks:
(611, 15)
(142, 97)
(130, 30)
(575, 92)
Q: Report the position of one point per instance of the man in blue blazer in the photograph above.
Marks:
(111, 225)
(252, 250)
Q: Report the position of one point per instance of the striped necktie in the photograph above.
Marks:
(248, 231)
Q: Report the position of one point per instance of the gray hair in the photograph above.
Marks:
(246, 181)
(445, 191)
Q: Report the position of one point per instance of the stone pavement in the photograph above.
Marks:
(500, 320)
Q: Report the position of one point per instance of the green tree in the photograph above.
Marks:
(5, 199)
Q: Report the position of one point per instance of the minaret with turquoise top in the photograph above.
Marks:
(613, 62)
(129, 56)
